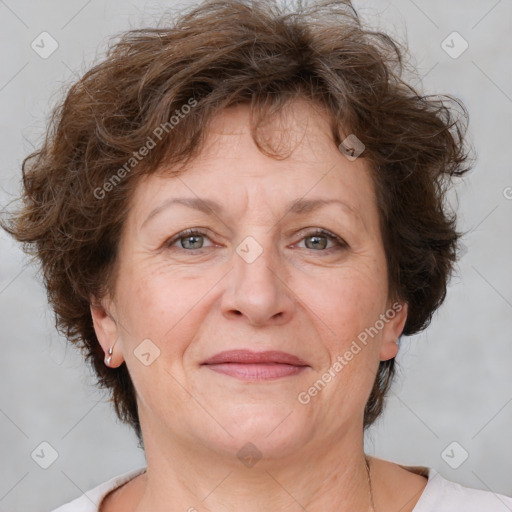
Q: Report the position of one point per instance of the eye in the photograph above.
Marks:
(318, 240)
(190, 239)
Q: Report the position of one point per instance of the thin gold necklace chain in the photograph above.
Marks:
(372, 504)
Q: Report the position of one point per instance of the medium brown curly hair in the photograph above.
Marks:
(77, 186)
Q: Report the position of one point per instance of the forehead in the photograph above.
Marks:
(231, 169)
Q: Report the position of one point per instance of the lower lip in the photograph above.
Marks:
(260, 371)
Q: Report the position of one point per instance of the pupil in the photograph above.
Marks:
(194, 239)
(316, 238)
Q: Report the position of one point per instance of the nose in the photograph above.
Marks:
(257, 289)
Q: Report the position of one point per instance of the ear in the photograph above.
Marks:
(396, 315)
(106, 327)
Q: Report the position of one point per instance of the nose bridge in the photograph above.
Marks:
(255, 257)
(258, 288)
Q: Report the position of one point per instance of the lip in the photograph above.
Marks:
(249, 365)
(250, 357)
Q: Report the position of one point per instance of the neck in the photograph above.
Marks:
(316, 478)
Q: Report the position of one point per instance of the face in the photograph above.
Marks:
(264, 267)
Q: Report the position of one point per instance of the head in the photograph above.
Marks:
(247, 107)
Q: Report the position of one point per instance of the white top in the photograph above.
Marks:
(439, 495)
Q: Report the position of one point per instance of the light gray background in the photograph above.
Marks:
(456, 383)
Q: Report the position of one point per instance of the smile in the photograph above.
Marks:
(248, 365)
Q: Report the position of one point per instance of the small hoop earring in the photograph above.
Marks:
(107, 361)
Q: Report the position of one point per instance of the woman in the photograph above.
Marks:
(237, 218)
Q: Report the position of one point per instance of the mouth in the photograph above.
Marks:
(248, 365)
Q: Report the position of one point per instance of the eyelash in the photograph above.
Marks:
(318, 232)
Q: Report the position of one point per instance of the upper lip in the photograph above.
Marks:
(250, 357)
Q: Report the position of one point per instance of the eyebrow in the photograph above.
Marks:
(298, 207)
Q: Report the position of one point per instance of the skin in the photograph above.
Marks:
(309, 299)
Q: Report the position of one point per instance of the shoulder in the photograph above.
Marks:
(442, 495)
(91, 500)
(423, 489)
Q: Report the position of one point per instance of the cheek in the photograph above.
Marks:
(148, 304)
(163, 306)
(350, 301)
(350, 361)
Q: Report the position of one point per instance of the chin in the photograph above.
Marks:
(275, 430)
